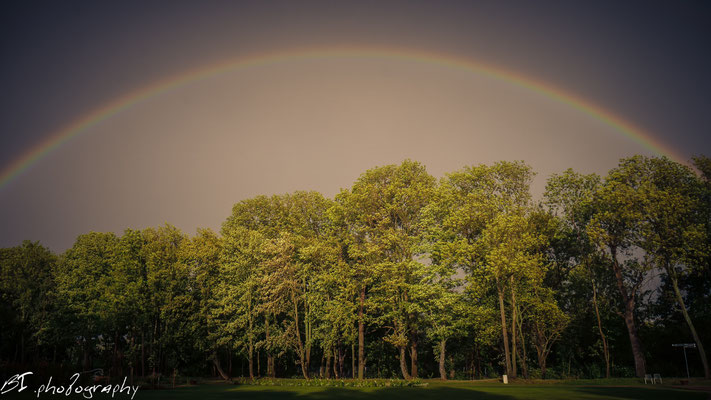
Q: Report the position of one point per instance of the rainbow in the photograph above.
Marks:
(95, 117)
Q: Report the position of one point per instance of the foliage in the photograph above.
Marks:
(399, 275)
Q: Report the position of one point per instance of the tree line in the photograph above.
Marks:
(399, 275)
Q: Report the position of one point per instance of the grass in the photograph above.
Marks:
(626, 389)
(435, 390)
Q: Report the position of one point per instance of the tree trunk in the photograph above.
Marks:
(478, 362)
(271, 370)
(672, 274)
(153, 350)
(629, 303)
(605, 349)
(327, 370)
(304, 353)
(336, 363)
(270, 357)
(442, 370)
(143, 354)
(513, 330)
(320, 367)
(307, 357)
(114, 356)
(216, 362)
(87, 353)
(451, 371)
(639, 362)
(475, 362)
(413, 355)
(353, 361)
(22, 349)
(250, 339)
(542, 364)
(341, 361)
(540, 343)
(522, 356)
(361, 335)
(403, 363)
(504, 333)
(304, 369)
(250, 359)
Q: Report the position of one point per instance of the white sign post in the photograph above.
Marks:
(685, 346)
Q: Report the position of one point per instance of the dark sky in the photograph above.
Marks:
(646, 61)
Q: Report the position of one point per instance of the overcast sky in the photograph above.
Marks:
(186, 155)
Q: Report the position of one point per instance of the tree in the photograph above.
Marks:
(127, 288)
(344, 308)
(26, 302)
(615, 228)
(293, 267)
(238, 295)
(508, 257)
(477, 219)
(569, 196)
(548, 322)
(169, 305)
(673, 231)
(445, 316)
(275, 252)
(199, 262)
(83, 279)
(467, 269)
(382, 212)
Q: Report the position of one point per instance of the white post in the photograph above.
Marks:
(506, 379)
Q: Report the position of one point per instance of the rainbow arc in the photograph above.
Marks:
(95, 117)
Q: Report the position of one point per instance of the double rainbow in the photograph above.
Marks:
(95, 117)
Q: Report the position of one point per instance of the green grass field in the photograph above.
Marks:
(434, 390)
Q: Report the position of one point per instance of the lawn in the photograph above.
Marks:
(435, 390)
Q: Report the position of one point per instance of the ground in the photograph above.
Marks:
(434, 389)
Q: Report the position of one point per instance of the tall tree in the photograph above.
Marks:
(615, 228)
(471, 206)
(128, 292)
(570, 197)
(446, 313)
(26, 298)
(382, 212)
(508, 257)
(199, 261)
(83, 280)
(673, 229)
(238, 294)
(166, 283)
